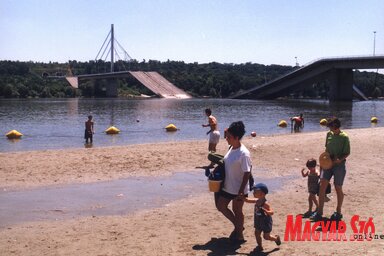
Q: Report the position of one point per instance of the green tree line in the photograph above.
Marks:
(45, 80)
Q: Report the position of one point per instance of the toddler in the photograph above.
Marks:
(263, 216)
(313, 185)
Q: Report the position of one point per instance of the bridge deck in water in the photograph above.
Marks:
(152, 80)
(159, 85)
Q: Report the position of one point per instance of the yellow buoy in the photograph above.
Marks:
(374, 120)
(323, 121)
(112, 130)
(282, 123)
(171, 128)
(13, 134)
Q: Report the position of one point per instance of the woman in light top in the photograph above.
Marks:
(237, 171)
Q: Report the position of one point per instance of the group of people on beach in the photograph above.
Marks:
(238, 166)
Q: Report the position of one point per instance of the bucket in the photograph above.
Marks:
(214, 185)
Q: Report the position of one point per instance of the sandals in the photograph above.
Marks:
(316, 217)
(336, 216)
(278, 240)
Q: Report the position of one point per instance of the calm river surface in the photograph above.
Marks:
(59, 123)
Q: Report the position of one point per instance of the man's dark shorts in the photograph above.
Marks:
(338, 171)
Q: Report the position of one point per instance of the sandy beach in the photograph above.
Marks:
(193, 226)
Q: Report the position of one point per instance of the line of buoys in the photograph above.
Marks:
(374, 120)
(282, 123)
(112, 130)
(171, 128)
(323, 122)
(14, 134)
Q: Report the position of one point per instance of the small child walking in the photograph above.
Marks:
(262, 216)
(313, 185)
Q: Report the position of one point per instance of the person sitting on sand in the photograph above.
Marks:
(313, 185)
(262, 216)
(89, 131)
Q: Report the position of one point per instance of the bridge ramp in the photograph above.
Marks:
(159, 85)
(338, 72)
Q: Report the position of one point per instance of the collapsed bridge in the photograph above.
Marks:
(152, 80)
(337, 71)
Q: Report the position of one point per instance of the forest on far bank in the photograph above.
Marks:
(216, 80)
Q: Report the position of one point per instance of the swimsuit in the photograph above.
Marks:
(262, 221)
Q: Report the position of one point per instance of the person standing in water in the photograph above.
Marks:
(89, 130)
(297, 122)
(214, 133)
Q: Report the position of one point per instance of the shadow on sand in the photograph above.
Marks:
(224, 246)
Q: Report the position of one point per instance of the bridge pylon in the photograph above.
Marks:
(340, 84)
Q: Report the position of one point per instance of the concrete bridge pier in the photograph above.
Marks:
(111, 90)
(341, 84)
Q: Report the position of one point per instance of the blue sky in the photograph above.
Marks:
(236, 31)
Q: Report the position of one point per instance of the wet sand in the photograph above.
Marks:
(190, 225)
(105, 198)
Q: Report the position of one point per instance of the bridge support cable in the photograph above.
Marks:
(102, 47)
(125, 52)
(110, 48)
(106, 52)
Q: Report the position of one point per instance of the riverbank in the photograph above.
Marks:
(191, 226)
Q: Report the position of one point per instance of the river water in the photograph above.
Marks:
(59, 123)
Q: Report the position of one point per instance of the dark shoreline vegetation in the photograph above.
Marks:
(215, 80)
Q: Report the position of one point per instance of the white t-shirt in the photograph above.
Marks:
(237, 162)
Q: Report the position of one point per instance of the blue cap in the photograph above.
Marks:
(261, 186)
